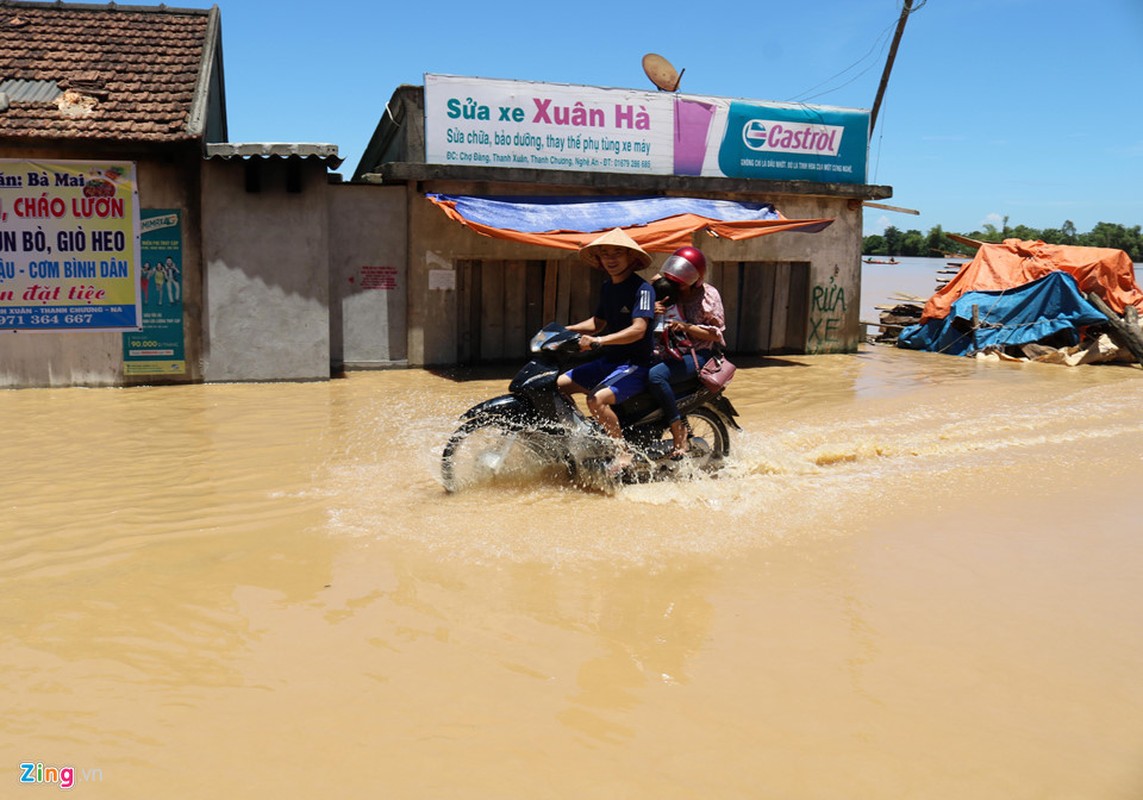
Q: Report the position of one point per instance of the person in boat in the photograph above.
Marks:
(694, 324)
(620, 329)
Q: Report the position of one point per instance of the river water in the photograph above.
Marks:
(917, 577)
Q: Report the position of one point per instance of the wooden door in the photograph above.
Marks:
(766, 304)
(502, 303)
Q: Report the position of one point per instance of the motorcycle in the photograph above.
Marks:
(535, 422)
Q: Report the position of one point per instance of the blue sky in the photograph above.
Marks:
(1030, 109)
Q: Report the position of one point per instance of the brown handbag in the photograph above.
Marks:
(716, 372)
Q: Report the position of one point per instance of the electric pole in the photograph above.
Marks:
(905, 11)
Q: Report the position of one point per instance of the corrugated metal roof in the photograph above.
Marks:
(229, 150)
(30, 91)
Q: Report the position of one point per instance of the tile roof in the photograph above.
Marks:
(124, 73)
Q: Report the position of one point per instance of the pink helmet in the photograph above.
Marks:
(687, 266)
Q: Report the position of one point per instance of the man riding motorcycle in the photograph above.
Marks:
(623, 315)
(537, 421)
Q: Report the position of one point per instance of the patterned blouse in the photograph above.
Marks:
(704, 310)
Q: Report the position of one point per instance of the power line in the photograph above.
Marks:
(878, 47)
(880, 42)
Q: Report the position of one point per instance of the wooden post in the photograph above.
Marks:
(1125, 332)
(975, 323)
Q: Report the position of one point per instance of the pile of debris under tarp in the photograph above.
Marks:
(1029, 301)
(906, 312)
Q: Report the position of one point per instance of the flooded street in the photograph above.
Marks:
(917, 577)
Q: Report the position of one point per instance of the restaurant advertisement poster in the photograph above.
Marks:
(158, 348)
(530, 125)
(69, 246)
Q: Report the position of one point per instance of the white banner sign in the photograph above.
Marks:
(547, 126)
(528, 125)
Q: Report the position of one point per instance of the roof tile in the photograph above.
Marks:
(140, 65)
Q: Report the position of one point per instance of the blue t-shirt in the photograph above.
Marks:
(619, 303)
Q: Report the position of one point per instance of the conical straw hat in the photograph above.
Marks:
(616, 237)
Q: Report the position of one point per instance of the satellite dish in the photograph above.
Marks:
(661, 73)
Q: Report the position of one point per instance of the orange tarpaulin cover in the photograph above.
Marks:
(663, 235)
(1104, 270)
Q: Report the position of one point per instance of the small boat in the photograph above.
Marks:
(881, 261)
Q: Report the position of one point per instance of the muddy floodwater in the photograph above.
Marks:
(918, 577)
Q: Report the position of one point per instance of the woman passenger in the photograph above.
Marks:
(695, 324)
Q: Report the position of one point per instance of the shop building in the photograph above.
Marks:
(274, 269)
(139, 111)
(472, 298)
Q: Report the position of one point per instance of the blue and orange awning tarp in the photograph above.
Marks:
(658, 224)
(1014, 262)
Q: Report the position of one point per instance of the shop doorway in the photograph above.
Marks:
(766, 304)
(502, 303)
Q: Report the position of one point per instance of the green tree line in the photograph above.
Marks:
(895, 242)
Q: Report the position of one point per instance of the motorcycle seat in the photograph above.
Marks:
(643, 402)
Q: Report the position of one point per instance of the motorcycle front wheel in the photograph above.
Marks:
(489, 449)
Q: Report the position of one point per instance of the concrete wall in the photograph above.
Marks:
(369, 268)
(167, 179)
(280, 284)
(834, 256)
(266, 284)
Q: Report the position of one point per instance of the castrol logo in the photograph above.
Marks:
(771, 136)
